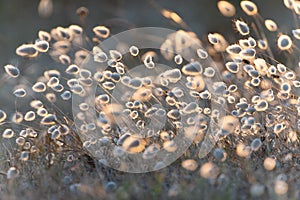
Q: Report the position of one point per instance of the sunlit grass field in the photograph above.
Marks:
(81, 120)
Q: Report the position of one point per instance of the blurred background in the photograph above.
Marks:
(20, 20)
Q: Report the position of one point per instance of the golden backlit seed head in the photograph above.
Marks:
(76, 29)
(234, 49)
(52, 128)
(24, 156)
(64, 33)
(148, 61)
(101, 31)
(108, 85)
(51, 97)
(232, 67)
(178, 59)
(20, 92)
(45, 8)
(232, 88)
(209, 72)
(151, 151)
(49, 119)
(228, 124)
(249, 8)
(284, 42)
(170, 146)
(226, 8)
(43, 35)
(8, 133)
(222, 43)
(272, 70)
(52, 73)
(84, 106)
(174, 114)
(72, 69)
(12, 71)
(17, 117)
(66, 95)
(64, 59)
(255, 82)
(115, 77)
(115, 55)
(252, 42)
(63, 46)
(41, 45)
(212, 38)
(172, 75)
(192, 69)
(102, 99)
(107, 74)
(271, 25)
(262, 44)
(58, 88)
(296, 84)
(231, 99)
(134, 51)
(53, 81)
(36, 104)
(205, 94)
(280, 187)
(29, 116)
(77, 89)
(81, 57)
(244, 43)
(135, 83)
(171, 15)
(297, 7)
(133, 144)
(64, 129)
(99, 55)
(42, 112)
(27, 146)
(98, 76)
(281, 68)
(189, 164)
(202, 53)
(269, 163)
(209, 170)
(261, 105)
(248, 53)
(27, 50)
(20, 141)
(82, 12)
(290, 75)
(243, 150)
(242, 27)
(84, 73)
(39, 87)
(142, 94)
(296, 33)
(289, 4)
